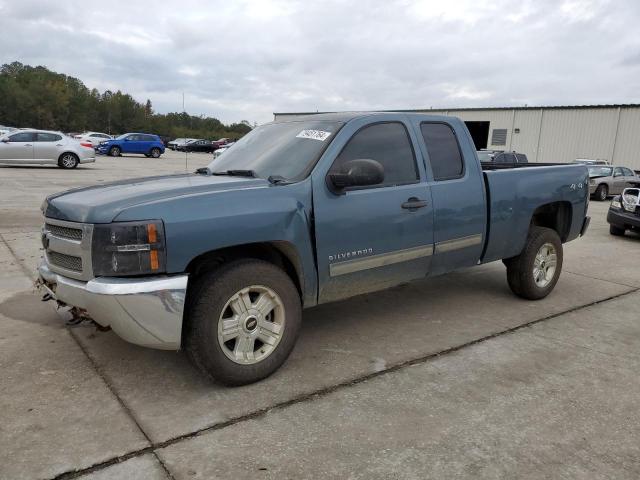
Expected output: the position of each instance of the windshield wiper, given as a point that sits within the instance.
(237, 173)
(278, 180)
(203, 171)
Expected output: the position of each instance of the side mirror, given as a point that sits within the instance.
(360, 172)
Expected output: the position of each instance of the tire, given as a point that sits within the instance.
(155, 152)
(531, 274)
(115, 151)
(68, 160)
(617, 231)
(602, 192)
(216, 300)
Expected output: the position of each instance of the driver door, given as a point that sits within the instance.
(374, 237)
(18, 148)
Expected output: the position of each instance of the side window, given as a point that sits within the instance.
(521, 158)
(48, 137)
(22, 137)
(444, 152)
(617, 172)
(387, 143)
(133, 138)
(628, 172)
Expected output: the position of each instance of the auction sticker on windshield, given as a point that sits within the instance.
(314, 134)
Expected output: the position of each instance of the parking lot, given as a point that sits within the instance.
(449, 377)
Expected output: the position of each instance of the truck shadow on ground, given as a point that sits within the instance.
(339, 343)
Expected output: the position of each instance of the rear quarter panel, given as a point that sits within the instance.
(515, 194)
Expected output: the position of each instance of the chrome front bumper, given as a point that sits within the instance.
(145, 311)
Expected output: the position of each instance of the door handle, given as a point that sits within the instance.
(414, 203)
(28, 145)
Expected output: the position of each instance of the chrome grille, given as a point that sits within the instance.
(68, 262)
(67, 248)
(64, 232)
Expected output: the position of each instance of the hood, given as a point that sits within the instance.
(598, 176)
(102, 203)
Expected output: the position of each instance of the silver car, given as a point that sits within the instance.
(605, 180)
(44, 147)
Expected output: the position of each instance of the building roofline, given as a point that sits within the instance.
(475, 109)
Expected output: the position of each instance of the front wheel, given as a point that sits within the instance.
(243, 321)
(68, 161)
(534, 273)
(617, 231)
(115, 151)
(602, 192)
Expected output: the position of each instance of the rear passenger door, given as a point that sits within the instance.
(46, 147)
(457, 188)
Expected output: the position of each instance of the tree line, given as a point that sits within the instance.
(37, 97)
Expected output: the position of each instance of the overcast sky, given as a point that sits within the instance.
(240, 60)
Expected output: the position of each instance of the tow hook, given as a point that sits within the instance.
(46, 297)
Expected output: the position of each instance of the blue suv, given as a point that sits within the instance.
(144, 143)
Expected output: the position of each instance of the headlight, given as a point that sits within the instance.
(615, 203)
(629, 201)
(128, 248)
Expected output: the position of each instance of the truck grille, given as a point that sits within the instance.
(67, 248)
(64, 232)
(68, 262)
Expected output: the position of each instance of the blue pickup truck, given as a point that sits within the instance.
(220, 262)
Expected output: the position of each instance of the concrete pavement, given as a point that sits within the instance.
(418, 381)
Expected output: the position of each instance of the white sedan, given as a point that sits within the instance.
(44, 147)
(94, 138)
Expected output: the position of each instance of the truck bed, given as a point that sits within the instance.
(506, 166)
(514, 191)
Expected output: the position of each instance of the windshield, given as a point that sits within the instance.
(599, 171)
(287, 150)
(123, 136)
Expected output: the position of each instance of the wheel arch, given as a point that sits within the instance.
(556, 216)
(280, 253)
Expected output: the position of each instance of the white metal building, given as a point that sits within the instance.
(553, 134)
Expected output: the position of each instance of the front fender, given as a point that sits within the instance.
(197, 224)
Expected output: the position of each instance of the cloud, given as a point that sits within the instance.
(245, 59)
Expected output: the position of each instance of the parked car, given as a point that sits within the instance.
(499, 156)
(178, 142)
(586, 161)
(606, 180)
(624, 211)
(4, 130)
(143, 143)
(206, 146)
(43, 147)
(297, 213)
(95, 138)
(219, 151)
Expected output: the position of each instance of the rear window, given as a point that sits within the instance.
(444, 151)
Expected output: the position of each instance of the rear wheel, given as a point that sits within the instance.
(243, 321)
(115, 151)
(155, 152)
(534, 273)
(602, 192)
(68, 160)
(617, 231)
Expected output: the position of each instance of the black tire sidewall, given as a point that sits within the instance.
(520, 269)
(615, 230)
(153, 151)
(113, 150)
(599, 191)
(211, 293)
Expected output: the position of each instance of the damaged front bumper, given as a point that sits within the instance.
(145, 311)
